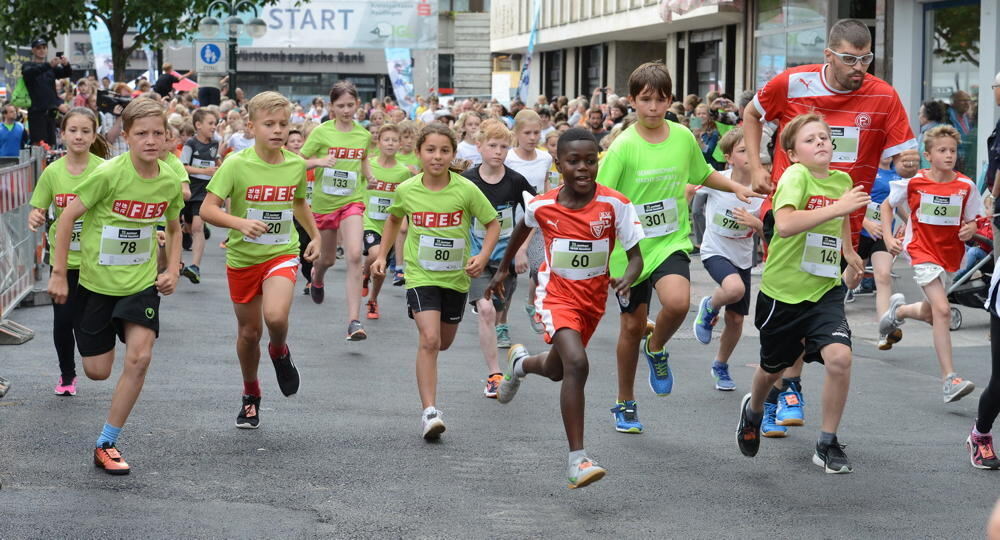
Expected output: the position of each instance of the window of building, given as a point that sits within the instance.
(553, 69)
(446, 73)
(789, 33)
(464, 6)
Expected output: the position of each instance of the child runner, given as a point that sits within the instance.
(727, 253)
(979, 443)
(467, 127)
(440, 205)
(389, 173)
(340, 146)
(525, 158)
(800, 306)
(871, 245)
(173, 164)
(652, 163)
(551, 143)
(294, 145)
(580, 223)
(55, 188)
(944, 205)
(406, 156)
(504, 188)
(119, 289)
(266, 186)
(201, 159)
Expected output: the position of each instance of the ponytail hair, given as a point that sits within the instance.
(99, 147)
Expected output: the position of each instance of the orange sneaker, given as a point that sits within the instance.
(372, 309)
(108, 458)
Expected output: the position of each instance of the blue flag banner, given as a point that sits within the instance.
(100, 41)
(400, 64)
(522, 84)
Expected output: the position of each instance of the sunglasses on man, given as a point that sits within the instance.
(850, 59)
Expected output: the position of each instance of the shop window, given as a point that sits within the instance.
(553, 73)
(789, 33)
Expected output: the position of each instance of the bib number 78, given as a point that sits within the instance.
(128, 247)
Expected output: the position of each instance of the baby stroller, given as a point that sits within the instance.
(969, 289)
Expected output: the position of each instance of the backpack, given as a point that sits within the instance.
(20, 98)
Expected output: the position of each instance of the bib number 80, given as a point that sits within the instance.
(442, 255)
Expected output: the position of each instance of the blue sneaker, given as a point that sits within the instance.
(769, 426)
(661, 379)
(705, 321)
(720, 372)
(790, 411)
(626, 415)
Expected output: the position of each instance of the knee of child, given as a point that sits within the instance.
(837, 359)
(882, 274)
(276, 319)
(576, 367)
(430, 342)
(353, 259)
(677, 305)
(96, 374)
(137, 362)
(486, 310)
(197, 225)
(734, 289)
(940, 310)
(250, 333)
(733, 318)
(633, 324)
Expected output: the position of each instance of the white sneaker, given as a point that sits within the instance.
(584, 472)
(888, 323)
(432, 424)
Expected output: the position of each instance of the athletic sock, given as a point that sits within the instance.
(753, 417)
(252, 388)
(793, 383)
(576, 455)
(109, 434)
(518, 368)
(826, 439)
(772, 396)
(276, 352)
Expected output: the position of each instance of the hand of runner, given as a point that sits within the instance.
(476, 265)
(252, 228)
(58, 287)
(520, 262)
(968, 229)
(760, 180)
(874, 229)
(166, 283)
(312, 250)
(209, 171)
(495, 288)
(161, 238)
(372, 182)
(378, 267)
(910, 161)
(36, 218)
(892, 245)
(744, 193)
(747, 219)
(855, 265)
(852, 200)
(621, 286)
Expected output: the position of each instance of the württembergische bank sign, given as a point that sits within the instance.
(351, 24)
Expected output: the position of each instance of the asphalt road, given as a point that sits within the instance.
(344, 457)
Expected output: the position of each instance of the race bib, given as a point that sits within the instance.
(845, 143)
(339, 182)
(125, 246)
(724, 224)
(309, 191)
(441, 254)
(506, 219)
(579, 259)
(821, 256)
(940, 209)
(203, 163)
(378, 207)
(74, 239)
(658, 218)
(874, 212)
(279, 226)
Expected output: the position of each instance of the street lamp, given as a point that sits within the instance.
(209, 26)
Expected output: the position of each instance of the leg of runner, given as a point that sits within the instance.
(249, 330)
(327, 258)
(488, 344)
(882, 267)
(674, 292)
(138, 354)
(376, 282)
(351, 229)
(979, 443)
(197, 241)
(630, 333)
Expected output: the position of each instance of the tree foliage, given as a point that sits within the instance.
(957, 35)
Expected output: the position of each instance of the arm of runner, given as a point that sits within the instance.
(623, 285)
(753, 132)
(967, 229)
(389, 233)
(517, 238)
(855, 266)
(521, 263)
(788, 221)
(166, 281)
(58, 286)
(186, 190)
(366, 170)
(327, 161)
(718, 181)
(748, 220)
(36, 218)
(891, 243)
(478, 262)
(303, 214)
(212, 213)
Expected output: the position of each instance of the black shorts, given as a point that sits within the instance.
(868, 245)
(768, 228)
(786, 330)
(100, 317)
(449, 302)
(479, 284)
(720, 268)
(371, 239)
(677, 263)
(191, 209)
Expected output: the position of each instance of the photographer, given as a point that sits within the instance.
(111, 107)
(40, 80)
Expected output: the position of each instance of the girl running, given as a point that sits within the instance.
(467, 127)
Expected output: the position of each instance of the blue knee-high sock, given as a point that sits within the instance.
(109, 434)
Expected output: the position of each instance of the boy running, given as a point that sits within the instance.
(871, 246)
(267, 187)
(580, 222)
(119, 291)
(504, 188)
(200, 157)
(800, 306)
(651, 164)
(944, 205)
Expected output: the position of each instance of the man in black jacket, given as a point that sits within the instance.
(40, 79)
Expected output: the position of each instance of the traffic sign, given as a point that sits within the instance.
(210, 57)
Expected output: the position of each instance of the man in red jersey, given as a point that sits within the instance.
(867, 122)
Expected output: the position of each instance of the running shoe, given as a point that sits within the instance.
(315, 291)
(503, 336)
(769, 426)
(192, 272)
(66, 389)
(399, 279)
(790, 412)
(305, 291)
(207, 230)
(981, 453)
(249, 415)
(364, 286)
(492, 384)
(186, 241)
(849, 296)
(661, 379)
(511, 382)
(705, 321)
(431, 424)
(888, 323)
(720, 372)
(955, 387)
(372, 309)
(886, 341)
(537, 325)
(287, 373)
(108, 457)
(832, 458)
(584, 472)
(626, 415)
(356, 332)
(747, 433)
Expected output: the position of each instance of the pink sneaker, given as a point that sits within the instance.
(66, 389)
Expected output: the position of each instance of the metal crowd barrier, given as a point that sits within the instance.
(20, 252)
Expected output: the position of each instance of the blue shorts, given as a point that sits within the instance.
(720, 268)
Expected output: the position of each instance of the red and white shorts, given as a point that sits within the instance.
(556, 315)
(331, 221)
(247, 283)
